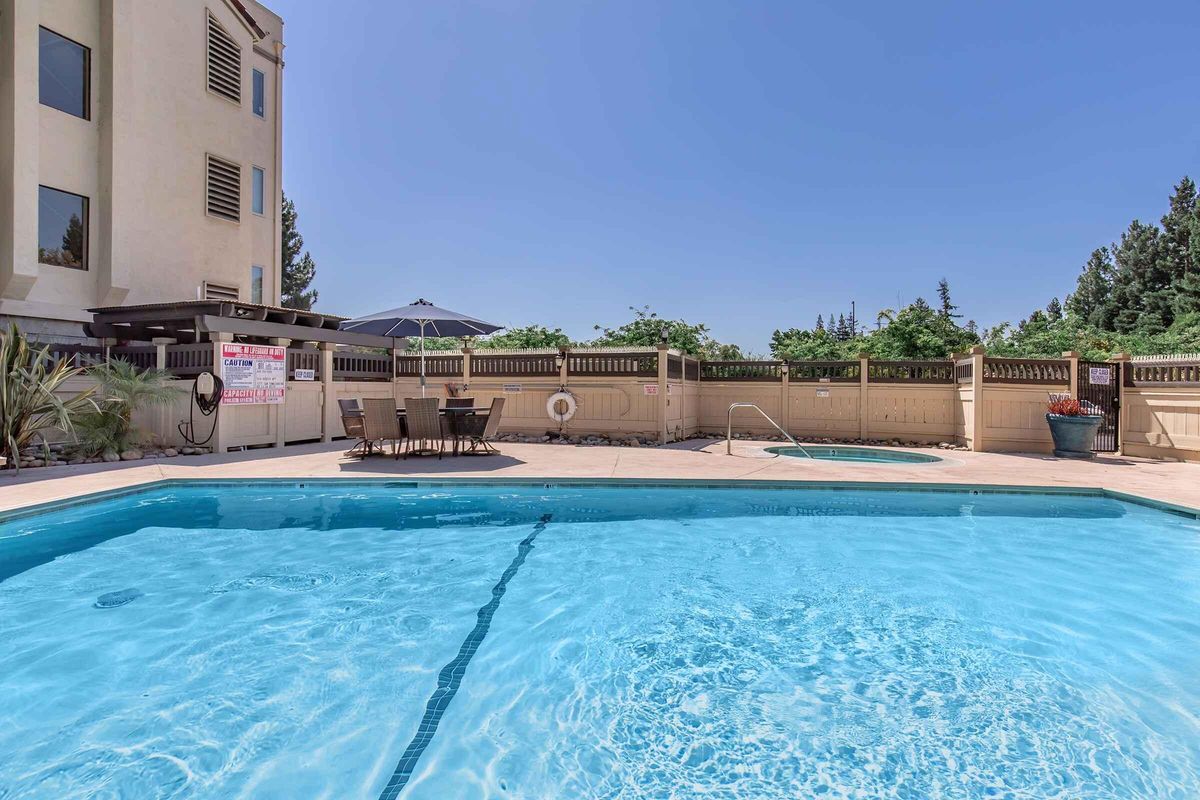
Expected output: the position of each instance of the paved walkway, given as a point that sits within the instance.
(695, 460)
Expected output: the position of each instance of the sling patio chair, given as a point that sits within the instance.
(380, 421)
(355, 427)
(481, 429)
(424, 427)
(451, 423)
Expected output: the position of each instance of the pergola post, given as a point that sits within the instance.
(331, 418)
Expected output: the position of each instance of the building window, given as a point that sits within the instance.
(224, 62)
(62, 228)
(63, 67)
(259, 84)
(256, 284)
(256, 190)
(224, 189)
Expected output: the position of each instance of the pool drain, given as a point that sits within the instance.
(117, 599)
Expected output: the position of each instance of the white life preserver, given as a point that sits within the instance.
(552, 407)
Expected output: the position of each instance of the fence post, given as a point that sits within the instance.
(564, 359)
(864, 425)
(1122, 360)
(1073, 358)
(160, 350)
(279, 409)
(978, 354)
(466, 354)
(331, 417)
(662, 393)
(220, 440)
(785, 397)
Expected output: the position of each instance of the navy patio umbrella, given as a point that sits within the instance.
(417, 319)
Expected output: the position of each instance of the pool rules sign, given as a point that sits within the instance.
(254, 374)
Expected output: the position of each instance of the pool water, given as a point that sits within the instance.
(381, 641)
(869, 455)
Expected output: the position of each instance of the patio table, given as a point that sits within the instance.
(452, 414)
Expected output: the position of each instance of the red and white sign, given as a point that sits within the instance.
(254, 374)
(649, 388)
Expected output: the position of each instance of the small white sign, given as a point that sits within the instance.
(1099, 376)
(512, 388)
(670, 389)
(822, 393)
(649, 388)
(822, 380)
(304, 375)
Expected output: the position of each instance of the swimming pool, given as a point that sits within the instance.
(391, 640)
(866, 455)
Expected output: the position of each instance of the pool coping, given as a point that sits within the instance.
(552, 482)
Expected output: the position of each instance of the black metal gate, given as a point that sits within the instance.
(1100, 385)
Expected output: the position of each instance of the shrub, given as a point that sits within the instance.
(125, 389)
(29, 405)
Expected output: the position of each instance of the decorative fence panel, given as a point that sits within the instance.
(516, 366)
(1027, 371)
(605, 364)
(911, 372)
(352, 366)
(964, 371)
(303, 359)
(189, 360)
(436, 366)
(77, 355)
(770, 371)
(823, 371)
(1142, 373)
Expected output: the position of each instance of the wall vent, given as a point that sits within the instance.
(223, 189)
(220, 291)
(224, 62)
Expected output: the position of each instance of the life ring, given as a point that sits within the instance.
(552, 407)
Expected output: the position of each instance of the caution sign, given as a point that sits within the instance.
(254, 374)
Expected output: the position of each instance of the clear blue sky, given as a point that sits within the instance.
(747, 165)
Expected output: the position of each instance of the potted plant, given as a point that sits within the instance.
(1073, 425)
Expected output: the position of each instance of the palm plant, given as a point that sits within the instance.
(29, 404)
(124, 389)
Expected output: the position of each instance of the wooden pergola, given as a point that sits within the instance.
(197, 321)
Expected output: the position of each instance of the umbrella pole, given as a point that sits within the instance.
(422, 359)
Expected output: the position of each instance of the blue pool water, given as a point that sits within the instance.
(869, 455)
(356, 641)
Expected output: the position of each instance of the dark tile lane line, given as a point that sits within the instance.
(451, 675)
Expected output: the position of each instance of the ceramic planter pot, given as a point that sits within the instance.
(1073, 436)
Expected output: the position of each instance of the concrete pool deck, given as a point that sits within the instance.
(697, 460)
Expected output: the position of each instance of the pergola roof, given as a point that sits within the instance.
(192, 320)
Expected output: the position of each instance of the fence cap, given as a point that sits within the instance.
(1121, 357)
(1070, 354)
(863, 355)
(977, 350)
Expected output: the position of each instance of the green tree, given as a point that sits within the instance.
(1054, 310)
(947, 308)
(919, 332)
(818, 344)
(298, 270)
(1091, 300)
(647, 329)
(530, 336)
(72, 242)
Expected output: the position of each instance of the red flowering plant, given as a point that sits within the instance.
(1067, 406)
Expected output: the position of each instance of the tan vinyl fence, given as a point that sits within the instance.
(986, 404)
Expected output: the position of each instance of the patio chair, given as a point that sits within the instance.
(354, 426)
(380, 422)
(481, 429)
(424, 426)
(451, 422)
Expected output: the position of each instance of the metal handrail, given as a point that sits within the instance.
(729, 428)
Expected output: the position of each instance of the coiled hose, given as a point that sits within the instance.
(208, 406)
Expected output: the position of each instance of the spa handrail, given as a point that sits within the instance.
(729, 428)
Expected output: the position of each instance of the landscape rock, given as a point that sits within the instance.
(170, 452)
(131, 454)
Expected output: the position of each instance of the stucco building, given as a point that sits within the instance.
(140, 156)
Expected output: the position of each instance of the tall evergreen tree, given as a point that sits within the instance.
(1054, 311)
(820, 323)
(947, 307)
(298, 271)
(1142, 286)
(1091, 300)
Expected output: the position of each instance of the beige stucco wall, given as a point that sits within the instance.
(1013, 418)
(140, 158)
(1162, 422)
